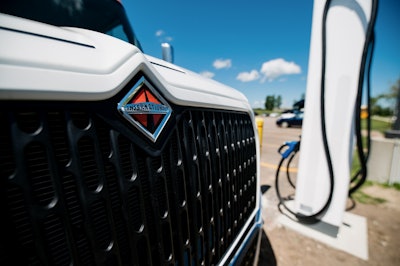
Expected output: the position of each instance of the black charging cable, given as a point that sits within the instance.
(292, 148)
(361, 176)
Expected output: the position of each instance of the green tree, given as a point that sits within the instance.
(392, 97)
(270, 102)
(395, 94)
(278, 102)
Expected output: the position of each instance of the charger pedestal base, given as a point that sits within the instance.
(351, 237)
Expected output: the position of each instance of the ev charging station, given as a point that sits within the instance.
(345, 24)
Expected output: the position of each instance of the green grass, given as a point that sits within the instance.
(260, 111)
(395, 186)
(364, 198)
(376, 125)
(361, 197)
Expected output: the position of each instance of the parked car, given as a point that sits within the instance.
(290, 119)
(273, 115)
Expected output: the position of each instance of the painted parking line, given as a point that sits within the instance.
(274, 166)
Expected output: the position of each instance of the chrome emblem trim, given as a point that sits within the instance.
(146, 109)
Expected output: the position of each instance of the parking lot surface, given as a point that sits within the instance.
(283, 246)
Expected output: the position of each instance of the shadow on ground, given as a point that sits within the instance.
(267, 255)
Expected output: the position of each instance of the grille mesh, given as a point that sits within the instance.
(74, 190)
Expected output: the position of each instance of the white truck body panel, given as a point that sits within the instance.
(92, 66)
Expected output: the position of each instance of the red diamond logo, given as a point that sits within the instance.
(145, 109)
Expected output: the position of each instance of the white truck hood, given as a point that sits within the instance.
(187, 86)
(44, 62)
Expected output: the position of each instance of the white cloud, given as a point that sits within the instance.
(207, 74)
(160, 33)
(278, 67)
(222, 63)
(248, 76)
(163, 37)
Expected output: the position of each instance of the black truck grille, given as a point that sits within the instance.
(77, 191)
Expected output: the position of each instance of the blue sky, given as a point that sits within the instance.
(243, 43)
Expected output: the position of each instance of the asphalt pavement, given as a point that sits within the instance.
(272, 139)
